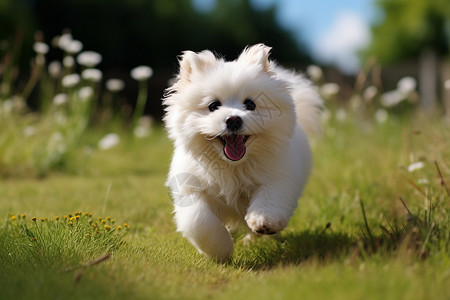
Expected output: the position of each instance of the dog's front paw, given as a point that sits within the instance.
(264, 224)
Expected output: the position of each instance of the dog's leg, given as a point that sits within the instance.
(270, 210)
(204, 230)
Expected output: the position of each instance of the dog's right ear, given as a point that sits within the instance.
(191, 63)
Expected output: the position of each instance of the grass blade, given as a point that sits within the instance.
(369, 232)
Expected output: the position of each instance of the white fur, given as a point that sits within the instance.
(212, 193)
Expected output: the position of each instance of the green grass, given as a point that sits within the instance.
(332, 248)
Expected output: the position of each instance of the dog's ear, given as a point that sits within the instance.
(256, 55)
(191, 63)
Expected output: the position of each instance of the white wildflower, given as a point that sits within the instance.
(141, 73)
(392, 98)
(56, 143)
(415, 166)
(54, 68)
(341, 114)
(40, 48)
(146, 121)
(60, 99)
(89, 59)
(406, 85)
(447, 84)
(18, 102)
(29, 131)
(144, 127)
(64, 41)
(70, 80)
(73, 47)
(85, 93)
(370, 92)
(381, 115)
(314, 72)
(60, 118)
(68, 61)
(114, 85)
(423, 181)
(329, 90)
(141, 131)
(108, 141)
(91, 74)
(8, 105)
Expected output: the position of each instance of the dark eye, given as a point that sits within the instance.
(214, 105)
(249, 104)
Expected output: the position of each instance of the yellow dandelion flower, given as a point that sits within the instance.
(34, 219)
(77, 213)
(94, 225)
(70, 223)
(57, 218)
(42, 219)
(86, 213)
(103, 221)
(23, 216)
(108, 218)
(12, 218)
(118, 227)
(125, 225)
(113, 221)
(77, 217)
(99, 218)
(107, 227)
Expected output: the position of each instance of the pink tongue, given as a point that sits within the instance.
(234, 146)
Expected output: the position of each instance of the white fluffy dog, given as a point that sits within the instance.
(241, 153)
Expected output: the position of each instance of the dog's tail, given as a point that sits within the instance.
(308, 103)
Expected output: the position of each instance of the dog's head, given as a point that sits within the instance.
(231, 110)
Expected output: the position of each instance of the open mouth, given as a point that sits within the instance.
(233, 146)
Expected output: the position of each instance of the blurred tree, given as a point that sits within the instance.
(409, 26)
(414, 29)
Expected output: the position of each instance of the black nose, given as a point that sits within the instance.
(233, 123)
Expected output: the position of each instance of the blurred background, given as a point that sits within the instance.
(396, 37)
(372, 58)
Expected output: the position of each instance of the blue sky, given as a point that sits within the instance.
(333, 30)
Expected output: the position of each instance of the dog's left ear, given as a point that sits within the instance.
(256, 55)
(191, 63)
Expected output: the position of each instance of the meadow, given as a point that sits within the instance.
(85, 214)
(351, 237)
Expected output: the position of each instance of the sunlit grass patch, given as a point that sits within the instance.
(324, 253)
(57, 243)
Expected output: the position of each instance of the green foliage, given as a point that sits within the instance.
(407, 27)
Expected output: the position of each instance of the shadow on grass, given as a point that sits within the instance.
(291, 248)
